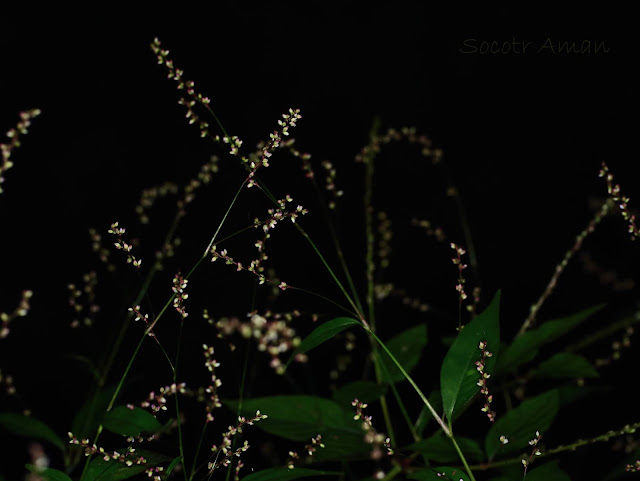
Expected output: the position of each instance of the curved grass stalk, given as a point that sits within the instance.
(446, 429)
(605, 437)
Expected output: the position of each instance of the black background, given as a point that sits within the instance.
(523, 136)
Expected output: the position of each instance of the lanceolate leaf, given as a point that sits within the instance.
(86, 421)
(323, 333)
(439, 474)
(48, 474)
(525, 347)
(300, 418)
(101, 470)
(520, 424)
(130, 422)
(285, 474)
(439, 448)
(459, 376)
(548, 472)
(29, 427)
(565, 364)
(407, 347)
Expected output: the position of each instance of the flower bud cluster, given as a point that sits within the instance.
(310, 449)
(192, 97)
(89, 308)
(378, 440)
(271, 331)
(212, 390)
(179, 286)
(14, 141)
(129, 458)
(458, 262)
(122, 245)
(275, 138)
(225, 448)
(534, 452)
(393, 135)
(21, 311)
(255, 266)
(488, 398)
(622, 201)
(157, 402)
(100, 249)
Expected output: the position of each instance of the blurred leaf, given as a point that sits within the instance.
(130, 422)
(300, 418)
(459, 376)
(565, 364)
(29, 427)
(285, 474)
(440, 449)
(520, 424)
(435, 399)
(101, 470)
(548, 472)
(323, 333)
(365, 391)
(441, 473)
(572, 393)
(173, 464)
(48, 474)
(407, 348)
(88, 418)
(525, 347)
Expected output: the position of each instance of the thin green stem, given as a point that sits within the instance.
(461, 456)
(383, 399)
(426, 402)
(224, 218)
(175, 380)
(333, 275)
(338, 247)
(350, 312)
(370, 237)
(577, 245)
(605, 437)
(604, 333)
(396, 395)
(240, 398)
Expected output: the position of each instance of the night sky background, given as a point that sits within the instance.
(523, 136)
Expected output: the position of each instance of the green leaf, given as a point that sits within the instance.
(48, 474)
(570, 394)
(442, 473)
(130, 422)
(407, 348)
(300, 418)
(548, 472)
(459, 376)
(101, 470)
(173, 464)
(88, 418)
(440, 449)
(29, 427)
(435, 399)
(365, 391)
(520, 424)
(323, 333)
(524, 348)
(565, 364)
(285, 474)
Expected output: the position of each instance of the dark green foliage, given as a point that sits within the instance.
(459, 376)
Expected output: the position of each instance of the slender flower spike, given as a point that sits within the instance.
(14, 141)
(480, 367)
